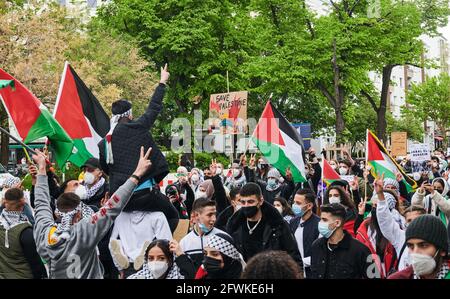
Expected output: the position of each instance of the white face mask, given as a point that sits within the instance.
(158, 268)
(218, 170)
(335, 200)
(81, 192)
(280, 209)
(236, 172)
(195, 178)
(343, 171)
(423, 264)
(200, 194)
(89, 178)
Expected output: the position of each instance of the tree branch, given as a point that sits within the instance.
(327, 94)
(370, 99)
(350, 12)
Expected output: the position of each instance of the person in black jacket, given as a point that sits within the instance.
(337, 255)
(305, 225)
(258, 226)
(127, 136)
(226, 214)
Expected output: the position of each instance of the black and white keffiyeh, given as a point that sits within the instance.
(224, 247)
(113, 123)
(62, 231)
(146, 273)
(90, 192)
(10, 219)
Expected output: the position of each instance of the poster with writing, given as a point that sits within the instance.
(398, 144)
(419, 152)
(228, 112)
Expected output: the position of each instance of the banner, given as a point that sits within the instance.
(419, 152)
(228, 112)
(399, 144)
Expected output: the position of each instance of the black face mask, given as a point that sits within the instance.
(211, 265)
(249, 212)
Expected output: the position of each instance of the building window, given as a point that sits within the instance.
(401, 82)
(92, 3)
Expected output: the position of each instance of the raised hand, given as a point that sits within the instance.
(144, 163)
(354, 184)
(362, 207)
(252, 160)
(41, 160)
(243, 160)
(288, 174)
(175, 247)
(104, 199)
(213, 167)
(378, 184)
(164, 75)
(399, 177)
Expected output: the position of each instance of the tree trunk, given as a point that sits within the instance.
(381, 112)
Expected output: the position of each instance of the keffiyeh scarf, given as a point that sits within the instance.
(62, 231)
(225, 247)
(145, 273)
(114, 121)
(93, 190)
(10, 219)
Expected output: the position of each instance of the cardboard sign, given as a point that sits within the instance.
(228, 112)
(348, 178)
(181, 230)
(419, 152)
(399, 144)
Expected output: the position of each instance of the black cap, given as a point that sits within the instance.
(428, 228)
(93, 163)
(120, 106)
(340, 183)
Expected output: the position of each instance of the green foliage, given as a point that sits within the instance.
(431, 100)
(203, 160)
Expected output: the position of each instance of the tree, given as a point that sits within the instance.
(397, 30)
(35, 42)
(431, 101)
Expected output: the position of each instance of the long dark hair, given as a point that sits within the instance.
(164, 246)
(286, 208)
(345, 198)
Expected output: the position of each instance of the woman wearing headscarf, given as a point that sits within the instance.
(160, 262)
(213, 189)
(222, 259)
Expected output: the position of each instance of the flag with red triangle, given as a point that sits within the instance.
(381, 162)
(32, 119)
(329, 175)
(81, 115)
(280, 143)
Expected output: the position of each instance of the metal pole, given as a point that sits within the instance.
(18, 141)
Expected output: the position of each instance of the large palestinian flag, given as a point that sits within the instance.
(329, 175)
(32, 119)
(81, 115)
(381, 162)
(280, 143)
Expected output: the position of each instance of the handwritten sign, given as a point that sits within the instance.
(399, 144)
(228, 112)
(419, 152)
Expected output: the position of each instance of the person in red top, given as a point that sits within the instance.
(426, 239)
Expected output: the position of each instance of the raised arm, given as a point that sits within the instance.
(92, 230)
(155, 106)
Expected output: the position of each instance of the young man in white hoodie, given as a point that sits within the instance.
(391, 229)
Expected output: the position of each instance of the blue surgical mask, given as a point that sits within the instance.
(204, 228)
(297, 209)
(272, 183)
(324, 230)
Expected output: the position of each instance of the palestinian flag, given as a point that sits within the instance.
(381, 162)
(329, 175)
(33, 120)
(81, 115)
(6, 83)
(280, 143)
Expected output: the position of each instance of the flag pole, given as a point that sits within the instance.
(21, 143)
(367, 153)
